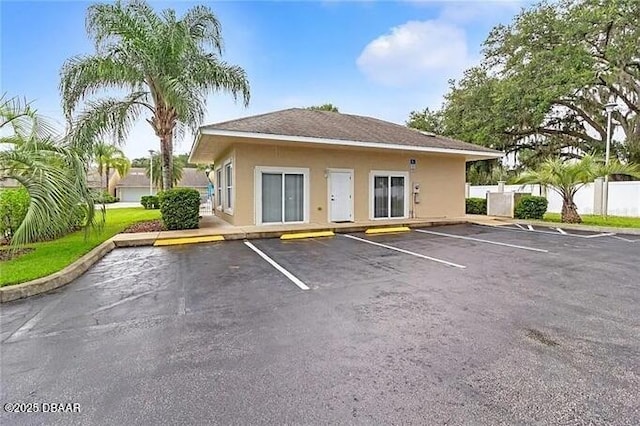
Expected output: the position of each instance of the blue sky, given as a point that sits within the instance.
(381, 59)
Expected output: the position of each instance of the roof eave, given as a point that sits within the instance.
(470, 155)
(194, 146)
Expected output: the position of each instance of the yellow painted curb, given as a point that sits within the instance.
(387, 230)
(307, 235)
(188, 240)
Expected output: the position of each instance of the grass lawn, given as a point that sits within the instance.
(596, 220)
(52, 256)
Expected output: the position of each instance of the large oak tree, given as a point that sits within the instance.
(544, 80)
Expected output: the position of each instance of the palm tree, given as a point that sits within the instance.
(107, 157)
(165, 65)
(158, 176)
(52, 173)
(567, 177)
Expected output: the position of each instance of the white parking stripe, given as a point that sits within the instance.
(33, 321)
(604, 234)
(560, 230)
(461, 237)
(536, 231)
(121, 301)
(422, 256)
(519, 226)
(530, 227)
(273, 263)
(625, 239)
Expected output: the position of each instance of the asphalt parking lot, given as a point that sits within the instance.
(455, 325)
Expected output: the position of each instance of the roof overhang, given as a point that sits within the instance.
(470, 155)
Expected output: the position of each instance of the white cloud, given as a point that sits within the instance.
(433, 50)
(416, 51)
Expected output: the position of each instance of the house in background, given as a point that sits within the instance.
(306, 166)
(135, 184)
(95, 181)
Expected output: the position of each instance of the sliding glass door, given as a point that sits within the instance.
(283, 197)
(388, 196)
(271, 197)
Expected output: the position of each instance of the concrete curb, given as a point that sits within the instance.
(57, 279)
(149, 238)
(80, 266)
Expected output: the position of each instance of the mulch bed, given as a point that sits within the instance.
(146, 226)
(7, 254)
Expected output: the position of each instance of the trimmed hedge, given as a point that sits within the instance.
(531, 207)
(180, 208)
(476, 206)
(150, 202)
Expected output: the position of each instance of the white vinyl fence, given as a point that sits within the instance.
(624, 197)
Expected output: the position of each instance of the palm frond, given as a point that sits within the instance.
(203, 27)
(82, 76)
(19, 120)
(106, 118)
(54, 176)
(208, 73)
(119, 20)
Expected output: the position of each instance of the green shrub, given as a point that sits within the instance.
(13, 208)
(105, 198)
(531, 207)
(476, 206)
(180, 208)
(78, 216)
(150, 202)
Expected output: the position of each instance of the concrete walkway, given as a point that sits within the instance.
(211, 225)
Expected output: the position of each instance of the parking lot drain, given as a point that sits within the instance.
(387, 230)
(188, 240)
(300, 235)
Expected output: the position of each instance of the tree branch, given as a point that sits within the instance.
(596, 126)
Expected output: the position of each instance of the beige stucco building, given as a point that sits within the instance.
(305, 166)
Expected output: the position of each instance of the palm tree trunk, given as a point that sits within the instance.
(163, 122)
(570, 211)
(106, 179)
(167, 160)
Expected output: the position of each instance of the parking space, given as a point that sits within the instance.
(457, 324)
(569, 232)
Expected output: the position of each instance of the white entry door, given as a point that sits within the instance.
(341, 196)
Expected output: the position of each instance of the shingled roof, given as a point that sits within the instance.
(338, 126)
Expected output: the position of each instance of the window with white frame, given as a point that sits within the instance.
(228, 182)
(219, 187)
(388, 194)
(282, 195)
